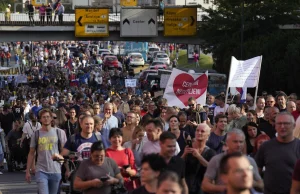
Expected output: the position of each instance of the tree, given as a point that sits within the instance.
(222, 30)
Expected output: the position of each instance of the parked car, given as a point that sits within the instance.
(110, 62)
(104, 54)
(100, 51)
(158, 65)
(162, 57)
(136, 59)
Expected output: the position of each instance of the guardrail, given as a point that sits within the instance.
(17, 19)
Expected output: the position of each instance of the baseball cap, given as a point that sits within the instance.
(9, 5)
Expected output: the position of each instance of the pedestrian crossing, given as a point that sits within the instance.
(18, 187)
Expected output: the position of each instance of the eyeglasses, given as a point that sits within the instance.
(283, 123)
(241, 170)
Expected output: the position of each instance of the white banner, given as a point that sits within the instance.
(182, 85)
(130, 83)
(244, 73)
(164, 80)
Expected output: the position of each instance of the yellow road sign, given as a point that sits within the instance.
(91, 22)
(39, 3)
(180, 21)
(128, 3)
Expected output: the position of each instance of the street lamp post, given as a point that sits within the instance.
(242, 28)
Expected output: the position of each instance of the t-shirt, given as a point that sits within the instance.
(219, 110)
(214, 142)
(122, 158)
(194, 176)
(6, 121)
(296, 173)
(268, 129)
(279, 159)
(112, 122)
(141, 190)
(177, 165)
(29, 128)
(81, 145)
(212, 171)
(88, 171)
(47, 146)
(18, 111)
(151, 147)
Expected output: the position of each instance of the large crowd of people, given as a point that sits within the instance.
(129, 140)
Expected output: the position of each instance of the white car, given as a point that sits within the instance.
(136, 59)
(103, 51)
(162, 57)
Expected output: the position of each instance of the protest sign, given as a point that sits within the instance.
(182, 85)
(130, 83)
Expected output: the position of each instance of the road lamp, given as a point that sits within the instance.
(242, 27)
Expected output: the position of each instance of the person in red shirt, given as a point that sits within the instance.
(123, 157)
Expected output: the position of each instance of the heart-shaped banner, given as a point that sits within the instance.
(185, 86)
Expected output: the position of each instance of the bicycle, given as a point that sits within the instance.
(67, 185)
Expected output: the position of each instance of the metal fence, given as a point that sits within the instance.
(68, 19)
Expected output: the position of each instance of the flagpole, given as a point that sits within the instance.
(227, 89)
(256, 90)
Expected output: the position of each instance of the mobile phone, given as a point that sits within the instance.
(104, 178)
(189, 143)
(126, 166)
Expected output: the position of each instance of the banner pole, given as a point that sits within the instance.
(256, 90)
(227, 89)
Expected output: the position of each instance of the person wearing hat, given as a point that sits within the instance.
(7, 13)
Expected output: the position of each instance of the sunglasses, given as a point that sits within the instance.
(191, 105)
(54, 117)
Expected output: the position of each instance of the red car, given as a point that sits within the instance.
(110, 62)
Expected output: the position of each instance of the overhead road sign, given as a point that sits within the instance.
(38, 3)
(128, 3)
(91, 22)
(136, 22)
(180, 21)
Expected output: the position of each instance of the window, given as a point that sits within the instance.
(206, 1)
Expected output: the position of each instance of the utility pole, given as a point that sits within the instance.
(242, 28)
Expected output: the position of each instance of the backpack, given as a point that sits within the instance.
(73, 139)
(37, 135)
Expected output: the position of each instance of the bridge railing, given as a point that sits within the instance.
(68, 19)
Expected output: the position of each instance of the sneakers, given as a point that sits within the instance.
(1, 172)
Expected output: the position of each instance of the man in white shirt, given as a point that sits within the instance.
(153, 130)
(221, 107)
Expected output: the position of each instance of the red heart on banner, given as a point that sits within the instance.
(185, 86)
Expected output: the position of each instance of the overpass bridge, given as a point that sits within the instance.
(19, 29)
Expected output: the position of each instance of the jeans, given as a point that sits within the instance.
(48, 183)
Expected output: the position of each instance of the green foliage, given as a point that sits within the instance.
(221, 30)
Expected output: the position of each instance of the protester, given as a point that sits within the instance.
(278, 173)
(98, 173)
(237, 173)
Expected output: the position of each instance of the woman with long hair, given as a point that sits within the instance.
(61, 118)
(258, 142)
(136, 144)
(251, 132)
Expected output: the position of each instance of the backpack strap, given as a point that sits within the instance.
(58, 140)
(73, 139)
(37, 136)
